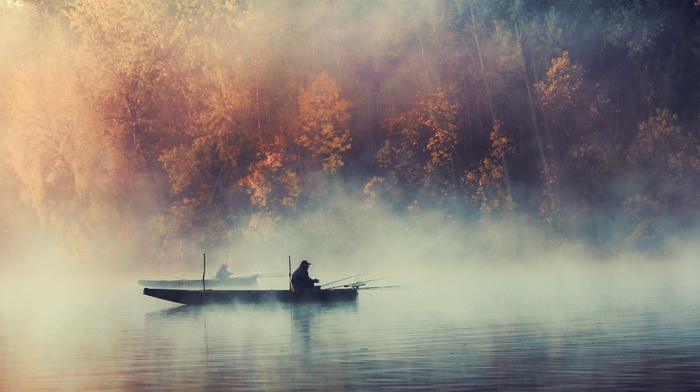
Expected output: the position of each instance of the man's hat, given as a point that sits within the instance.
(304, 262)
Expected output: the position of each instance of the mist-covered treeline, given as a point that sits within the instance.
(150, 122)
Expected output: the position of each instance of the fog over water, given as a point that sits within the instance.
(491, 310)
(556, 320)
(594, 288)
(419, 253)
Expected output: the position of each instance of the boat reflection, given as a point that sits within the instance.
(305, 319)
(216, 332)
(297, 310)
(302, 319)
(177, 311)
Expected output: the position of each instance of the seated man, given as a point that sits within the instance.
(300, 278)
(223, 273)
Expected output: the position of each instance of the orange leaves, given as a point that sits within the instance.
(270, 184)
(179, 170)
(441, 119)
(488, 178)
(323, 119)
(662, 146)
(420, 149)
(563, 82)
(668, 161)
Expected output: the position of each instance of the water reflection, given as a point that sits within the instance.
(177, 311)
(232, 325)
(303, 318)
(529, 337)
(379, 343)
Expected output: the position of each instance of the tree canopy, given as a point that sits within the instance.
(190, 118)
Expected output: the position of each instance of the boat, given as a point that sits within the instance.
(203, 297)
(249, 280)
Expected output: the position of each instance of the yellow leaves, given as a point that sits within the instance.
(376, 186)
(58, 148)
(269, 183)
(421, 143)
(488, 178)
(562, 84)
(324, 120)
(180, 167)
(663, 146)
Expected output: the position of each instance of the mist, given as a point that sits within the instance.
(517, 182)
(383, 138)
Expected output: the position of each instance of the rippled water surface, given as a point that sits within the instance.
(487, 330)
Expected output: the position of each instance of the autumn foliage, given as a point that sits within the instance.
(149, 122)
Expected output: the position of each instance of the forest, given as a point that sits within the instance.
(152, 122)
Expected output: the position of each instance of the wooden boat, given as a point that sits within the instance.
(249, 280)
(201, 297)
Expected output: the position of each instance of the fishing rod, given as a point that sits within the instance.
(354, 284)
(384, 287)
(272, 275)
(339, 280)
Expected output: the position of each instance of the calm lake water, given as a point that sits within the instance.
(509, 329)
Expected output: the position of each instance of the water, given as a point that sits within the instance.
(492, 329)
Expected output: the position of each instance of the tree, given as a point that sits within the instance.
(558, 94)
(488, 180)
(323, 123)
(419, 153)
(664, 175)
(61, 154)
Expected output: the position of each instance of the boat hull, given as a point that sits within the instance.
(197, 283)
(203, 297)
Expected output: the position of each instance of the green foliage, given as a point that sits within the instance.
(629, 24)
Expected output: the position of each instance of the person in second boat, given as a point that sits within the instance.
(222, 273)
(300, 278)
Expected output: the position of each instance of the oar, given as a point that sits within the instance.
(340, 280)
(352, 284)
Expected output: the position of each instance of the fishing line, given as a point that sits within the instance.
(340, 280)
